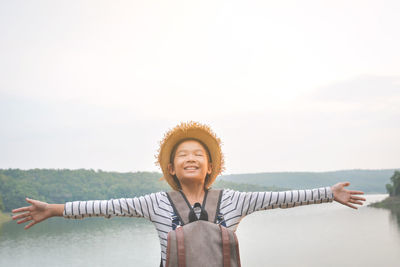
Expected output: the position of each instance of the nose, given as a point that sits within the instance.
(190, 157)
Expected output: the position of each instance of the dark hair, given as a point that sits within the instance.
(172, 156)
(173, 152)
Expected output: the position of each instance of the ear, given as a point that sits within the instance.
(171, 169)
(209, 170)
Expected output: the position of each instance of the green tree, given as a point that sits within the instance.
(394, 188)
(1, 204)
(389, 189)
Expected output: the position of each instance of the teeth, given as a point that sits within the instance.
(191, 168)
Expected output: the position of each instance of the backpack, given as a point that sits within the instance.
(200, 241)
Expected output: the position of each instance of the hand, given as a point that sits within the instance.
(346, 197)
(39, 211)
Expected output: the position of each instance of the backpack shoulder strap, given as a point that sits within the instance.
(180, 206)
(211, 206)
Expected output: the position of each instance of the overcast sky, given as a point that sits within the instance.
(287, 85)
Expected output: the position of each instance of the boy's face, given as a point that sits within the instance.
(190, 163)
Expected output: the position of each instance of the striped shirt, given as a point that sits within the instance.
(233, 207)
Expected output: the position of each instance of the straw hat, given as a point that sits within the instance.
(190, 130)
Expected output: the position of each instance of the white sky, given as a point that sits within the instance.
(287, 85)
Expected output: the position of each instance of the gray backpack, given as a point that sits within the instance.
(200, 241)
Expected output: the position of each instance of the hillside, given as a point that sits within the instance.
(59, 186)
(369, 181)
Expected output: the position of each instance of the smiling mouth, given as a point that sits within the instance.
(191, 168)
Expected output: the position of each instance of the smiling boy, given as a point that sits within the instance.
(191, 158)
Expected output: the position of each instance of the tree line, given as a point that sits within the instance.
(394, 188)
(62, 185)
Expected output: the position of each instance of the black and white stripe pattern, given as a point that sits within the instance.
(156, 207)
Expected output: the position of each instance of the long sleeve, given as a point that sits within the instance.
(235, 205)
(142, 206)
(154, 207)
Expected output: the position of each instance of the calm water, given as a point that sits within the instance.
(315, 235)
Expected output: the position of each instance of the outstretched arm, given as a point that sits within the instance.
(150, 206)
(235, 205)
(345, 196)
(37, 212)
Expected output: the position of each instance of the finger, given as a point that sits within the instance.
(356, 202)
(22, 215)
(357, 192)
(32, 201)
(358, 198)
(346, 183)
(351, 206)
(25, 220)
(21, 209)
(30, 225)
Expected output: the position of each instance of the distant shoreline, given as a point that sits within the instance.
(4, 217)
(392, 203)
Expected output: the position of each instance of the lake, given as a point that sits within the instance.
(327, 234)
